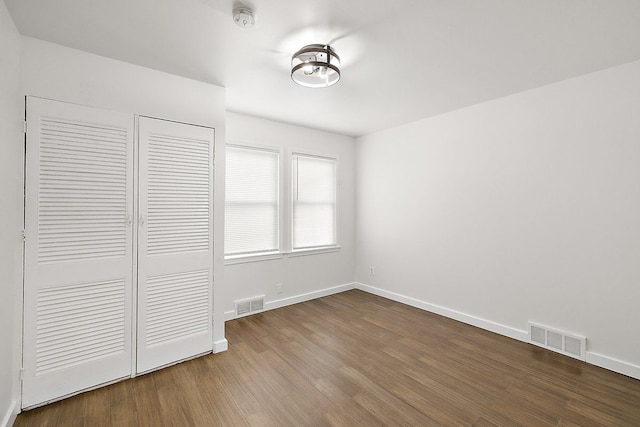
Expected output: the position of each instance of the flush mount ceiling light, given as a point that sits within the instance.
(315, 65)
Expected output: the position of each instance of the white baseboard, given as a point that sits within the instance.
(220, 346)
(446, 312)
(614, 365)
(606, 362)
(271, 305)
(11, 414)
(309, 296)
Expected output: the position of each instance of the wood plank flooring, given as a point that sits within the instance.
(355, 359)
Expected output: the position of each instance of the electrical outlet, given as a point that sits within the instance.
(372, 271)
(279, 288)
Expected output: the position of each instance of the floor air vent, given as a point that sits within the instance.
(248, 306)
(560, 342)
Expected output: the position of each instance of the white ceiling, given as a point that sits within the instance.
(402, 60)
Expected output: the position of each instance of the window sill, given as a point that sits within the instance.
(314, 251)
(241, 259)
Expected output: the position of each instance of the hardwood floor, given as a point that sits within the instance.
(355, 359)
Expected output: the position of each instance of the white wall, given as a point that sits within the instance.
(526, 208)
(308, 276)
(52, 71)
(10, 217)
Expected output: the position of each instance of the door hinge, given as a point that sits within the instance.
(24, 235)
(24, 126)
(22, 374)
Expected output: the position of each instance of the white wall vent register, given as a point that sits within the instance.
(248, 306)
(561, 342)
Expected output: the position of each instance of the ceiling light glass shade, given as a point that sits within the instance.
(315, 65)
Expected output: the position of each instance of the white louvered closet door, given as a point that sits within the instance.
(175, 242)
(78, 249)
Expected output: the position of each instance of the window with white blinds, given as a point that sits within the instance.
(313, 202)
(252, 208)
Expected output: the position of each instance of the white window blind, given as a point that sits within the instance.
(313, 202)
(251, 201)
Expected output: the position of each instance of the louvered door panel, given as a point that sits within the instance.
(175, 239)
(177, 306)
(78, 249)
(82, 203)
(79, 323)
(178, 195)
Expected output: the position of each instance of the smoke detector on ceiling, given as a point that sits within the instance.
(244, 17)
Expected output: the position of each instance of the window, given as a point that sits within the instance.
(253, 212)
(313, 198)
(252, 208)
